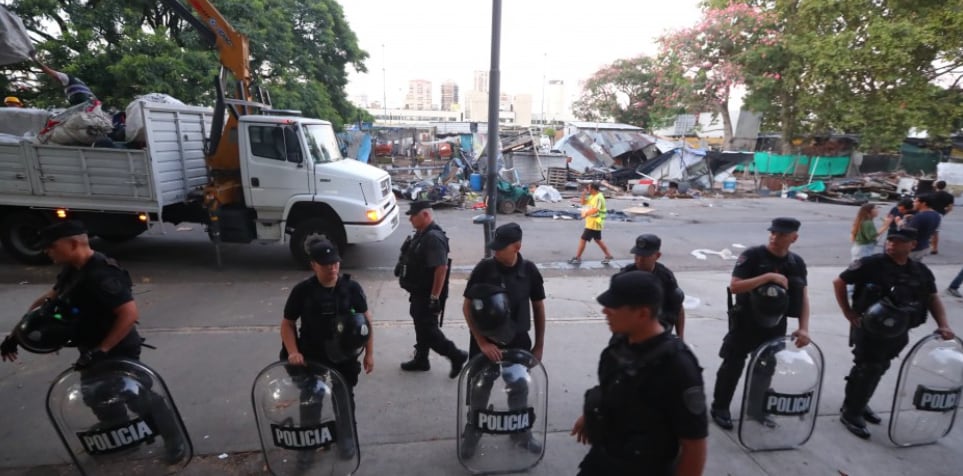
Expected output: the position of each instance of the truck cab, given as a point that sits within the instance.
(298, 187)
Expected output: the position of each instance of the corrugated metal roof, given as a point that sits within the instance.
(603, 126)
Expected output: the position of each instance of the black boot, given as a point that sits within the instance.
(458, 359)
(417, 364)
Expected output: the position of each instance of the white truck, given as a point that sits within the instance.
(295, 185)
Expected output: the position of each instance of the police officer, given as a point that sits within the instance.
(324, 304)
(763, 275)
(647, 254)
(96, 292)
(318, 302)
(891, 295)
(648, 413)
(523, 283)
(423, 271)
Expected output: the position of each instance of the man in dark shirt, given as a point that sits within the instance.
(648, 413)
(520, 278)
(97, 292)
(423, 273)
(942, 204)
(756, 267)
(926, 221)
(647, 254)
(908, 285)
(902, 210)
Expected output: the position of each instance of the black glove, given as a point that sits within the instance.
(88, 357)
(9, 346)
(434, 305)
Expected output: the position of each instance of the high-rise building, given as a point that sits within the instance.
(481, 81)
(555, 109)
(449, 95)
(419, 95)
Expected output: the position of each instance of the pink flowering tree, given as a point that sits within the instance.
(699, 67)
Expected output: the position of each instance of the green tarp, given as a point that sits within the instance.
(768, 163)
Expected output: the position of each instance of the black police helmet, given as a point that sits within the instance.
(769, 304)
(491, 312)
(45, 329)
(885, 319)
(348, 337)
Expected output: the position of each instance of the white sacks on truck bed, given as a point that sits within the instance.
(135, 114)
(82, 124)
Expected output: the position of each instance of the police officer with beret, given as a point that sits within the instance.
(423, 271)
(330, 307)
(770, 284)
(647, 254)
(891, 295)
(648, 413)
(506, 271)
(93, 293)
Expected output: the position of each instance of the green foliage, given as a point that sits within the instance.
(549, 132)
(300, 50)
(625, 92)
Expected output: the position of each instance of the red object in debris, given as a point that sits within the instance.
(382, 149)
(478, 206)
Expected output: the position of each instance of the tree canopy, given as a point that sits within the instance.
(868, 67)
(300, 51)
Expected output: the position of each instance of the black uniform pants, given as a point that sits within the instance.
(313, 394)
(736, 346)
(871, 359)
(110, 397)
(481, 391)
(428, 336)
(599, 463)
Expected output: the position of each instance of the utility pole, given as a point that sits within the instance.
(544, 68)
(488, 219)
(384, 82)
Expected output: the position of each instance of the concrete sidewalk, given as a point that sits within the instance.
(210, 352)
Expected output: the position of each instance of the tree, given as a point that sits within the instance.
(300, 50)
(700, 66)
(625, 92)
(872, 68)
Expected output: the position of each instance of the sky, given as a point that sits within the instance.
(541, 40)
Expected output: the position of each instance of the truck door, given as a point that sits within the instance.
(276, 168)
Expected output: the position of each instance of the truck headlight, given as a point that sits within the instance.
(373, 215)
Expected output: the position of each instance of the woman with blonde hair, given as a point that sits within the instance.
(864, 232)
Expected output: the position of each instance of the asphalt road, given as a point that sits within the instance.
(183, 254)
(215, 329)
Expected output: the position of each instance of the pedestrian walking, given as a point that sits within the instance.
(91, 306)
(423, 272)
(648, 413)
(593, 211)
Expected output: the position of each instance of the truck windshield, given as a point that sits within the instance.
(322, 143)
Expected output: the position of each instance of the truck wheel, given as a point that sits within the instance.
(18, 233)
(522, 205)
(506, 206)
(310, 230)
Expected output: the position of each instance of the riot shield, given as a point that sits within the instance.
(781, 397)
(117, 417)
(927, 392)
(502, 413)
(305, 420)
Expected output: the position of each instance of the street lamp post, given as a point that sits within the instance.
(488, 219)
(384, 82)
